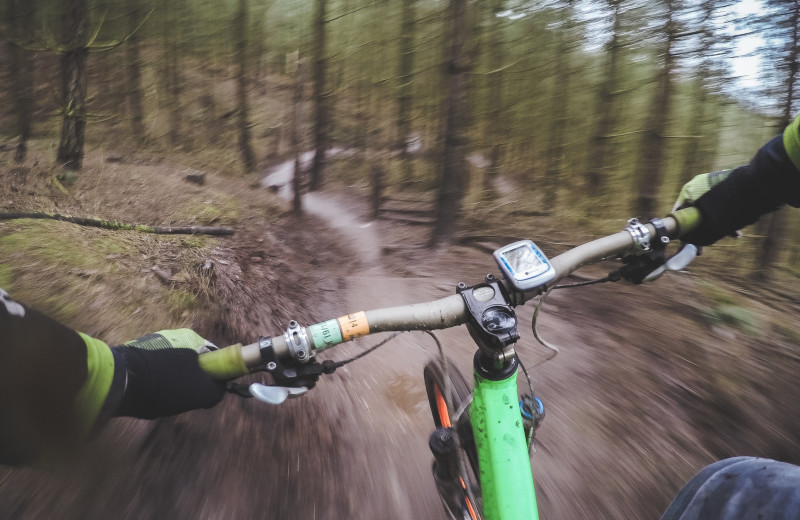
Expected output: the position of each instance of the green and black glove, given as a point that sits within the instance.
(709, 230)
(697, 187)
(162, 375)
(729, 201)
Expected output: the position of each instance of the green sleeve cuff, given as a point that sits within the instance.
(90, 399)
(791, 141)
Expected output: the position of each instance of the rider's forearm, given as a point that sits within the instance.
(53, 384)
(769, 181)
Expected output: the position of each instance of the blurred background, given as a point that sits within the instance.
(594, 108)
(452, 126)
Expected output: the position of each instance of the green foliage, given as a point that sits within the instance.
(362, 88)
(222, 210)
(725, 308)
(194, 242)
(6, 277)
(95, 279)
(180, 301)
(735, 316)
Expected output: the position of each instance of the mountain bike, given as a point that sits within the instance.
(482, 438)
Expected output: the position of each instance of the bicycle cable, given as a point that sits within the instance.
(535, 329)
(540, 304)
(338, 364)
(583, 284)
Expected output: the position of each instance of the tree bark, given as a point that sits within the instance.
(122, 226)
(21, 73)
(134, 72)
(171, 77)
(377, 188)
(494, 92)
(240, 36)
(600, 146)
(698, 155)
(405, 80)
(73, 83)
(555, 149)
(297, 133)
(653, 148)
(453, 166)
(319, 96)
(776, 224)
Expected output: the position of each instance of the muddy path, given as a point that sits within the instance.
(355, 447)
(641, 396)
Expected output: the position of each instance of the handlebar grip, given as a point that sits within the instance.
(687, 219)
(224, 364)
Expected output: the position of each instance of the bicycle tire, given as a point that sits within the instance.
(435, 387)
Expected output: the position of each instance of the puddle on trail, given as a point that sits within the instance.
(408, 393)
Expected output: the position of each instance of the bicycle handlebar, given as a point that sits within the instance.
(237, 360)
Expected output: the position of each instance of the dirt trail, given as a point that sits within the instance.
(643, 393)
(381, 406)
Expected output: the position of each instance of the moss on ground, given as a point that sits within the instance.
(96, 280)
(6, 277)
(222, 209)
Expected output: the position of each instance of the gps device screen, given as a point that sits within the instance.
(524, 261)
(524, 265)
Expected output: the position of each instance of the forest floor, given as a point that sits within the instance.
(652, 382)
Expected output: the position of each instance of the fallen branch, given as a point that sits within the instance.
(120, 226)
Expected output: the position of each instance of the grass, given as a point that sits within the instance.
(6, 277)
(222, 210)
(726, 308)
(96, 280)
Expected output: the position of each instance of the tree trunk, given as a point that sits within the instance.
(776, 225)
(377, 188)
(319, 96)
(134, 72)
(405, 80)
(453, 166)
(698, 155)
(494, 92)
(653, 147)
(21, 74)
(170, 72)
(773, 227)
(297, 133)
(555, 150)
(240, 37)
(73, 83)
(600, 147)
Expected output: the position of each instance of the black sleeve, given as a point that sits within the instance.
(42, 368)
(765, 184)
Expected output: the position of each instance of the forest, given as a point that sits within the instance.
(598, 109)
(419, 135)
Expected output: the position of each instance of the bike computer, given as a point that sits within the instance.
(524, 265)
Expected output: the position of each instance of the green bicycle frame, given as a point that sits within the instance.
(505, 472)
(505, 469)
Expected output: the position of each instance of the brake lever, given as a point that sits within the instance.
(676, 262)
(275, 394)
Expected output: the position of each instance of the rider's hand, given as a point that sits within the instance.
(164, 377)
(697, 187)
(709, 230)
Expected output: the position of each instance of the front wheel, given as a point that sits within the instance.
(455, 475)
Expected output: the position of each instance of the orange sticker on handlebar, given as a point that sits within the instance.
(354, 325)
